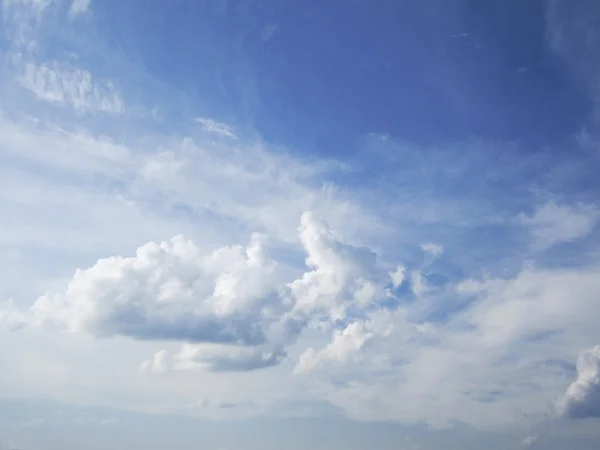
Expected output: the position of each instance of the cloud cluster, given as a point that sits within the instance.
(231, 306)
(582, 399)
(236, 309)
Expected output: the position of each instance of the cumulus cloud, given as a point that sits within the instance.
(235, 308)
(501, 352)
(341, 274)
(231, 305)
(346, 344)
(552, 224)
(169, 291)
(582, 399)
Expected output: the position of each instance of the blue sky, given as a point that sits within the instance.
(244, 224)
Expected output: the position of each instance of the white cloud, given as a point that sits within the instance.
(227, 358)
(582, 399)
(498, 356)
(418, 278)
(21, 20)
(341, 274)
(79, 7)
(222, 129)
(71, 197)
(345, 345)
(66, 85)
(232, 300)
(529, 441)
(398, 276)
(552, 224)
(431, 372)
(10, 316)
(169, 291)
(157, 364)
(432, 251)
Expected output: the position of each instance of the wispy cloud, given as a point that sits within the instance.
(552, 224)
(65, 85)
(218, 128)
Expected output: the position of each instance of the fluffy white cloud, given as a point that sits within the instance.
(552, 224)
(582, 399)
(398, 276)
(169, 291)
(345, 345)
(529, 441)
(233, 301)
(341, 274)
